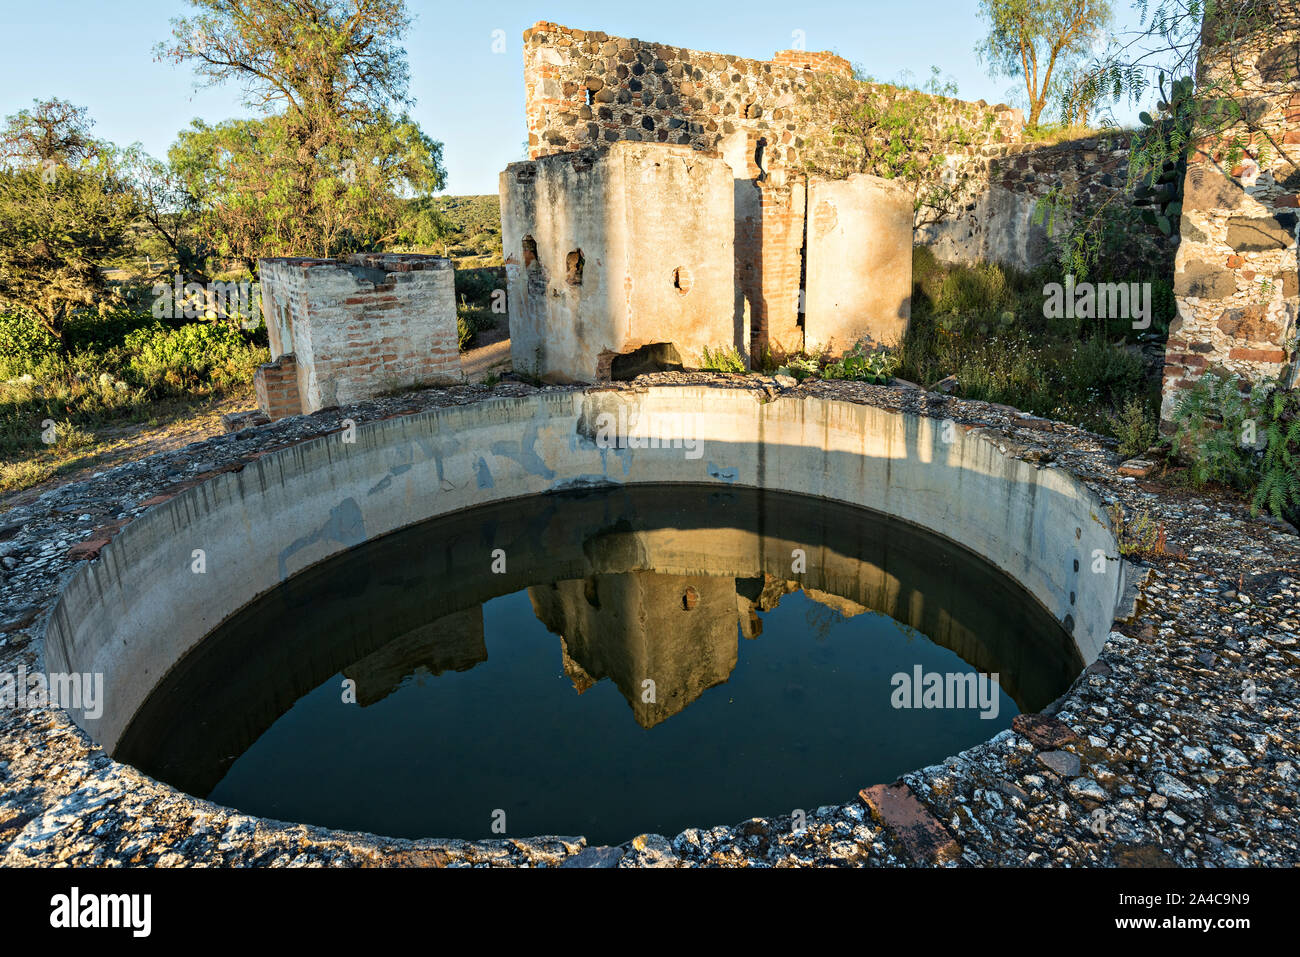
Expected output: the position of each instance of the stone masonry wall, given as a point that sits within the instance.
(1004, 193)
(585, 88)
(1237, 270)
(771, 121)
(361, 327)
(610, 252)
(589, 90)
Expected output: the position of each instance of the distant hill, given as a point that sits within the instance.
(477, 221)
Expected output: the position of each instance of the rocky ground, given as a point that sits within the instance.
(1178, 747)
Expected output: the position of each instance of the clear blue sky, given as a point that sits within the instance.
(98, 54)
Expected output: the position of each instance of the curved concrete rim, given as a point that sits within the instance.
(162, 585)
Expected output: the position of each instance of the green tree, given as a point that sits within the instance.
(1033, 39)
(66, 213)
(893, 130)
(333, 160)
(172, 213)
(1159, 64)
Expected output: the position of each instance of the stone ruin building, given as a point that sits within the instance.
(706, 152)
(824, 262)
(667, 207)
(616, 257)
(344, 331)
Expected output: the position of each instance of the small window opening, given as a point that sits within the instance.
(690, 598)
(682, 280)
(530, 251)
(760, 159)
(573, 265)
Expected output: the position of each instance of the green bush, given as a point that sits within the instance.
(476, 286)
(1135, 427)
(24, 345)
(87, 388)
(800, 367)
(1217, 431)
(722, 359)
(1245, 440)
(859, 365)
(71, 394)
(470, 321)
(197, 356)
(1279, 482)
(986, 325)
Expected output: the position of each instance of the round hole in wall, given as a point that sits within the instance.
(682, 280)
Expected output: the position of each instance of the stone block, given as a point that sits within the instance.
(923, 837)
(1257, 234)
(1200, 280)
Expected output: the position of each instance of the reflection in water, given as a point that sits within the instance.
(469, 691)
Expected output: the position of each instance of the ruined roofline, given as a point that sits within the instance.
(782, 60)
(621, 146)
(828, 62)
(389, 262)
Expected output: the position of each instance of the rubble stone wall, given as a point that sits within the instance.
(772, 120)
(1237, 269)
(584, 89)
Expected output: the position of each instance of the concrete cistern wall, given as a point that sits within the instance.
(138, 609)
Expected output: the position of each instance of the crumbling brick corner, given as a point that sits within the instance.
(356, 328)
(276, 385)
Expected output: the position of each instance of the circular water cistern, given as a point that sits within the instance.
(629, 660)
(502, 619)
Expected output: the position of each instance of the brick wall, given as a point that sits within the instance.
(360, 327)
(769, 262)
(1237, 269)
(276, 385)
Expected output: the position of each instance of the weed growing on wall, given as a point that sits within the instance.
(722, 359)
(899, 132)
